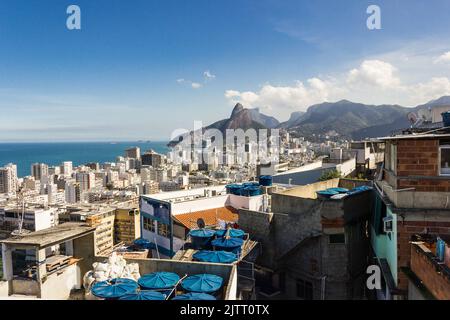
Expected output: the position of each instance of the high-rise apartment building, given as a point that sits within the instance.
(134, 153)
(86, 180)
(39, 170)
(67, 168)
(8, 179)
(151, 158)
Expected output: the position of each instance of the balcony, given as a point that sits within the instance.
(412, 199)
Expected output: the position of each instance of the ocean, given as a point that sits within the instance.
(25, 154)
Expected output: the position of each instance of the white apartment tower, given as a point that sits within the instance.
(67, 168)
(8, 179)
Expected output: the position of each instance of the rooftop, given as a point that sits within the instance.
(187, 195)
(211, 217)
(51, 236)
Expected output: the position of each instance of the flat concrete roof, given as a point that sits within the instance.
(167, 196)
(416, 136)
(51, 236)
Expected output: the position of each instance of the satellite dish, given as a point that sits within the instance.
(200, 223)
(412, 117)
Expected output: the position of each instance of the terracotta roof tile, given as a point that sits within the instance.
(210, 216)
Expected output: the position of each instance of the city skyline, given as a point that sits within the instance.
(182, 62)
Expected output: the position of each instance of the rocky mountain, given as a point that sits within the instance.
(245, 119)
(241, 118)
(343, 118)
(295, 116)
(350, 119)
(442, 101)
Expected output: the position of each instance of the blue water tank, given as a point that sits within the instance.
(200, 238)
(215, 256)
(251, 191)
(202, 283)
(265, 181)
(234, 189)
(114, 288)
(228, 244)
(234, 233)
(143, 295)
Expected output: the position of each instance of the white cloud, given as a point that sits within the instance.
(275, 99)
(207, 75)
(374, 81)
(444, 58)
(374, 72)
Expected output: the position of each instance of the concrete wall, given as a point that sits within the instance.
(25, 287)
(58, 285)
(4, 289)
(226, 271)
(427, 271)
(199, 204)
(84, 248)
(295, 238)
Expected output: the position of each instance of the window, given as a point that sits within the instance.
(444, 160)
(149, 224)
(380, 212)
(388, 224)
(393, 158)
(163, 230)
(338, 238)
(304, 289)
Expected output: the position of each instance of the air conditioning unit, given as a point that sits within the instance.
(387, 224)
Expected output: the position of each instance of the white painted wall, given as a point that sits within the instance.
(240, 202)
(58, 286)
(199, 204)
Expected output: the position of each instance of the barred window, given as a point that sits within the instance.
(163, 230)
(149, 224)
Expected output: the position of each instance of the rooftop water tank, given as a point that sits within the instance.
(338, 190)
(114, 288)
(234, 233)
(251, 191)
(158, 280)
(143, 243)
(215, 256)
(233, 188)
(202, 283)
(265, 181)
(144, 295)
(200, 238)
(326, 193)
(228, 244)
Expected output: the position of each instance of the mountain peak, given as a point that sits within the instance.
(237, 108)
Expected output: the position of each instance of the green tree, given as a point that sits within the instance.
(330, 174)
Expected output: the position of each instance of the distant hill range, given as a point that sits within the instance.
(343, 118)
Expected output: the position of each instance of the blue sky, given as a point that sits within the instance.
(136, 69)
